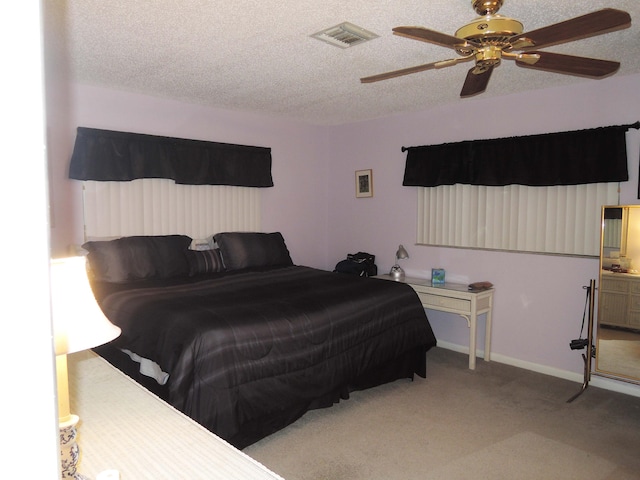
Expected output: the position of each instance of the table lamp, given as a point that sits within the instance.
(397, 272)
(78, 324)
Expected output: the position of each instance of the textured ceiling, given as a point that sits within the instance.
(258, 56)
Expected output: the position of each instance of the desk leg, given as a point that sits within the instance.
(472, 321)
(487, 338)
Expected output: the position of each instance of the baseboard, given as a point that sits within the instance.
(595, 381)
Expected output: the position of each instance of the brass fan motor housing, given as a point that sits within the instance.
(490, 27)
(492, 30)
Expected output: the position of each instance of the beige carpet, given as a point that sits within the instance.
(619, 351)
(497, 422)
(528, 456)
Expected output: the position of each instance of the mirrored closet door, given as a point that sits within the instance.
(618, 319)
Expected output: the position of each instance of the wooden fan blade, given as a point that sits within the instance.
(594, 23)
(476, 83)
(431, 36)
(416, 69)
(569, 64)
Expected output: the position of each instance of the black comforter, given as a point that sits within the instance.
(248, 352)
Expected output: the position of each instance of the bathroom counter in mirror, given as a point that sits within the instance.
(620, 299)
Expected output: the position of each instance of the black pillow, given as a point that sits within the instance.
(139, 257)
(204, 261)
(252, 249)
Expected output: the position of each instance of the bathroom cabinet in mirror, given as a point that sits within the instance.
(618, 319)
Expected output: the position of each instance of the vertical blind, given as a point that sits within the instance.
(612, 237)
(557, 219)
(162, 207)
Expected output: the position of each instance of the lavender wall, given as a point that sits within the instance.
(539, 298)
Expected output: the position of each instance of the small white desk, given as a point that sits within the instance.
(457, 298)
(125, 427)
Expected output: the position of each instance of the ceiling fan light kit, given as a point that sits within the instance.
(492, 37)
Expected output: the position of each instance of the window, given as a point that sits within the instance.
(158, 206)
(556, 220)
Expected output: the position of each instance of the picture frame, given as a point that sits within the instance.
(364, 183)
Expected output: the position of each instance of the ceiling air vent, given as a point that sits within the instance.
(345, 35)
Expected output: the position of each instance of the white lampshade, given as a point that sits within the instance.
(78, 320)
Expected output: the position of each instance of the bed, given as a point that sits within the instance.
(246, 341)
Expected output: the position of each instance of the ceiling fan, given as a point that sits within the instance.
(492, 37)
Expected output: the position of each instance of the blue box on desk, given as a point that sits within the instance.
(437, 276)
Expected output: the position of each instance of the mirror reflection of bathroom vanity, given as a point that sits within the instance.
(618, 320)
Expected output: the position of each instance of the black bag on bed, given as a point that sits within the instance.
(361, 263)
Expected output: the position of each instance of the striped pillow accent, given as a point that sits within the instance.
(205, 261)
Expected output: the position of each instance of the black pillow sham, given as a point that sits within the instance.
(134, 258)
(252, 249)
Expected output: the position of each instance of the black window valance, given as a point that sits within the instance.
(597, 155)
(106, 155)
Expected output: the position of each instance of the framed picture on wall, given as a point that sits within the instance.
(364, 183)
